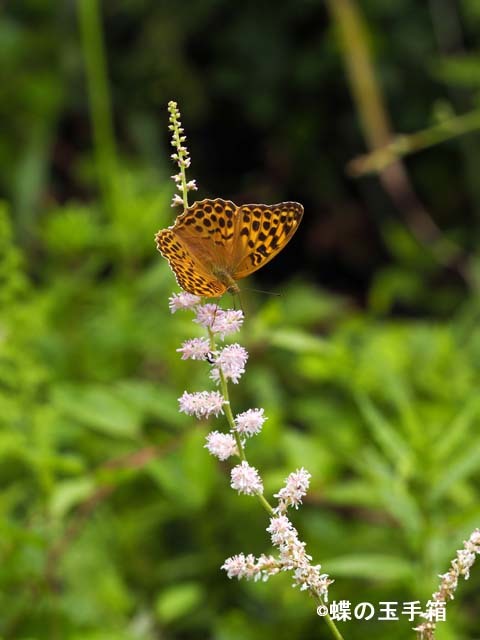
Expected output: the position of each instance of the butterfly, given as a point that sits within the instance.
(215, 242)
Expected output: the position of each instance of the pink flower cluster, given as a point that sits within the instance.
(251, 568)
(228, 364)
(292, 557)
(221, 445)
(195, 349)
(201, 404)
(284, 536)
(182, 300)
(460, 566)
(231, 362)
(219, 321)
(295, 488)
(246, 479)
(250, 422)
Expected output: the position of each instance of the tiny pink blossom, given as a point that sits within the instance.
(474, 541)
(250, 422)
(295, 489)
(449, 583)
(206, 314)
(231, 361)
(308, 576)
(221, 445)
(202, 403)
(228, 322)
(177, 201)
(220, 321)
(268, 566)
(463, 562)
(249, 567)
(246, 479)
(195, 349)
(281, 530)
(292, 552)
(240, 566)
(182, 300)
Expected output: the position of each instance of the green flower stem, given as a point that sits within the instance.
(99, 100)
(183, 173)
(241, 453)
(265, 504)
(330, 623)
(184, 188)
(228, 408)
(177, 143)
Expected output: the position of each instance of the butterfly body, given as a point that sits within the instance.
(225, 278)
(214, 243)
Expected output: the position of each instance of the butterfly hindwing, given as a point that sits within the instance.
(262, 231)
(190, 274)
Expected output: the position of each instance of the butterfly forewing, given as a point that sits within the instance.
(262, 231)
(207, 227)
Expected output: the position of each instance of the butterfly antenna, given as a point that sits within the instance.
(268, 293)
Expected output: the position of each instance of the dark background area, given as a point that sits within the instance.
(269, 112)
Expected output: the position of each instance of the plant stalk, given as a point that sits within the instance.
(99, 101)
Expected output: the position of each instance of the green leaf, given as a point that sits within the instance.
(392, 491)
(355, 492)
(69, 493)
(101, 408)
(178, 601)
(459, 469)
(370, 566)
(147, 397)
(298, 341)
(387, 437)
(302, 451)
(457, 432)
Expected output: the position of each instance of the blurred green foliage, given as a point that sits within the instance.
(114, 521)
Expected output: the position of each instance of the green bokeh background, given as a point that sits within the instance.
(114, 520)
